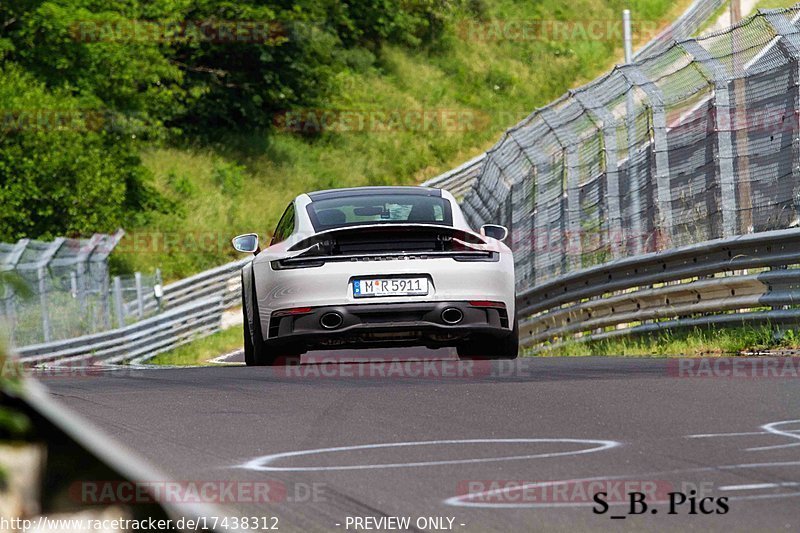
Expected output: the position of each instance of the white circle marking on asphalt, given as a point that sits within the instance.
(265, 463)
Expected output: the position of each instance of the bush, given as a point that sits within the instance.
(82, 81)
(63, 168)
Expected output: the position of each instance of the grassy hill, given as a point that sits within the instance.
(240, 181)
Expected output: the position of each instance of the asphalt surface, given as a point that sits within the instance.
(429, 441)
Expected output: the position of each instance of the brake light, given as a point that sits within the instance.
(292, 311)
(486, 303)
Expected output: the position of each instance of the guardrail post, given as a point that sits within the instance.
(139, 296)
(723, 128)
(158, 290)
(118, 304)
(609, 129)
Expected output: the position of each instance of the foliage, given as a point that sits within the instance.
(199, 351)
(172, 128)
(63, 170)
(83, 81)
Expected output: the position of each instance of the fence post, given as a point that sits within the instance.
(790, 46)
(637, 78)
(139, 296)
(118, 304)
(10, 311)
(571, 209)
(609, 129)
(80, 285)
(723, 128)
(43, 303)
(105, 298)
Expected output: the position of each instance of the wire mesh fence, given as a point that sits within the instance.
(62, 289)
(696, 142)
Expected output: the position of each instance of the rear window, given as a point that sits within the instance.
(379, 209)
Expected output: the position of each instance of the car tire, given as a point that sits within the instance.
(249, 357)
(488, 347)
(253, 343)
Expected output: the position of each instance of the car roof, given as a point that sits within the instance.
(369, 191)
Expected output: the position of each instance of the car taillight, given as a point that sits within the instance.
(292, 311)
(486, 303)
(286, 264)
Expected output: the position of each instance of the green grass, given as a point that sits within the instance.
(694, 342)
(498, 81)
(200, 351)
(775, 4)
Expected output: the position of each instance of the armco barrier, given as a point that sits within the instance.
(748, 279)
(222, 281)
(135, 343)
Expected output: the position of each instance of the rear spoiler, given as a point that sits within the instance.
(314, 250)
(467, 238)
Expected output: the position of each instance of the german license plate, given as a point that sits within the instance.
(363, 288)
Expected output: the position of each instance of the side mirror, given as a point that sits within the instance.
(247, 243)
(494, 231)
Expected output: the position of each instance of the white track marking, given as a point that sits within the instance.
(772, 428)
(222, 359)
(755, 486)
(707, 435)
(263, 463)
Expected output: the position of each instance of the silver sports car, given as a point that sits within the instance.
(377, 266)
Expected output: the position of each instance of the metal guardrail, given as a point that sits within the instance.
(135, 343)
(222, 280)
(193, 309)
(704, 284)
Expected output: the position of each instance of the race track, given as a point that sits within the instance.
(482, 444)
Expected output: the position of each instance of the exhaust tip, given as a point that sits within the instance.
(452, 315)
(331, 320)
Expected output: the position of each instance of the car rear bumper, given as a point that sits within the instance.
(439, 323)
(331, 285)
